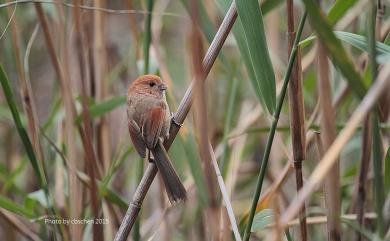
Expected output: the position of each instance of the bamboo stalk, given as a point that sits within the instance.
(297, 114)
(275, 120)
(178, 118)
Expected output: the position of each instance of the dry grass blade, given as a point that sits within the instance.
(225, 195)
(86, 133)
(323, 219)
(328, 134)
(212, 221)
(330, 157)
(74, 185)
(19, 225)
(26, 92)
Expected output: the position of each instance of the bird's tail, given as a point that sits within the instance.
(174, 187)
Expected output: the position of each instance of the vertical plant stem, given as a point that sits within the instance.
(273, 128)
(376, 138)
(134, 29)
(212, 211)
(328, 135)
(331, 156)
(364, 166)
(297, 114)
(148, 35)
(83, 52)
(100, 72)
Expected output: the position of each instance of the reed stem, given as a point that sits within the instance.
(376, 138)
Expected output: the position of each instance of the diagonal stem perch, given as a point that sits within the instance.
(177, 120)
(273, 128)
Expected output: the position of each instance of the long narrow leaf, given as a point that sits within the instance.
(21, 130)
(262, 219)
(252, 22)
(239, 35)
(334, 48)
(360, 42)
(104, 107)
(357, 41)
(11, 206)
(339, 8)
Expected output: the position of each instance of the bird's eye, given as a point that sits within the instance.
(151, 84)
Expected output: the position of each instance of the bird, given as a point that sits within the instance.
(149, 121)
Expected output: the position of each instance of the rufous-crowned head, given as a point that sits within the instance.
(147, 84)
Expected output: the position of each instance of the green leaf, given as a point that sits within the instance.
(194, 163)
(268, 5)
(339, 8)
(21, 130)
(262, 219)
(359, 42)
(39, 196)
(387, 172)
(223, 163)
(102, 108)
(336, 12)
(112, 197)
(251, 19)
(11, 206)
(334, 48)
(118, 160)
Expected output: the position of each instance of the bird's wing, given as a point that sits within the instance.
(136, 138)
(153, 123)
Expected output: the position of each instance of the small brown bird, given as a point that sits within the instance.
(149, 121)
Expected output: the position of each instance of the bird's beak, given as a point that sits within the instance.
(162, 86)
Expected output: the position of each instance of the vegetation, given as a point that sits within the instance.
(280, 124)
